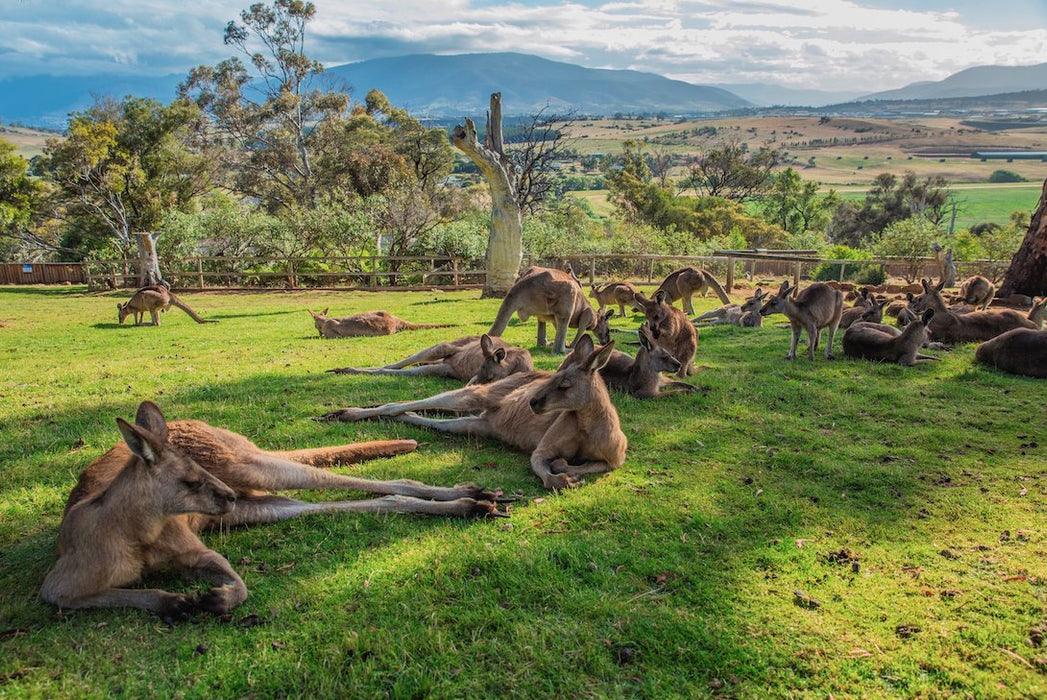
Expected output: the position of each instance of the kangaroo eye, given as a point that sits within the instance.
(566, 384)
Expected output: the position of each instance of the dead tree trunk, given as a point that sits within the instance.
(505, 245)
(148, 262)
(1027, 273)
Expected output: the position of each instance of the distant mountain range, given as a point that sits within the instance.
(449, 87)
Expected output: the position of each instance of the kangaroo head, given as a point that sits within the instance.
(319, 319)
(493, 367)
(570, 271)
(175, 483)
(575, 386)
(657, 311)
(754, 302)
(874, 312)
(777, 303)
(658, 358)
(593, 290)
(931, 298)
(603, 328)
(123, 311)
(1038, 312)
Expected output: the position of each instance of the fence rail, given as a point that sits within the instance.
(372, 272)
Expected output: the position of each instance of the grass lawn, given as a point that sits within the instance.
(980, 203)
(672, 577)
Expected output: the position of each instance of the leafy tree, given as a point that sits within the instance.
(1027, 273)
(730, 170)
(795, 205)
(20, 194)
(890, 199)
(909, 240)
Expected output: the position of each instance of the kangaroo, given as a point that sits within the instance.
(976, 326)
(153, 299)
(881, 343)
(549, 295)
(564, 419)
(688, 281)
(977, 291)
(746, 315)
(1018, 351)
(670, 329)
(367, 324)
(472, 359)
(819, 306)
(620, 293)
(870, 312)
(641, 377)
(138, 509)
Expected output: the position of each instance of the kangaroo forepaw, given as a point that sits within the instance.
(341, 370)
(560, 482)
(471, 490)
(219, 600)
(178, 608)
(346, 415)
(486, 509)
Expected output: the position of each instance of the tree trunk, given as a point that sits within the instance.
(1028, 271)
(505, 245)
(148, 263)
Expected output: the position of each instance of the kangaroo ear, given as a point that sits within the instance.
(498, 355)
(149, 417)
(940, 287)
(659, 296)
(584, 345)
(609, 313)
(909, 296)
(926, 284)
(141, 438)
(324, 312)
(486, 345)
(927, 316)
(645, 338)
(599, 358)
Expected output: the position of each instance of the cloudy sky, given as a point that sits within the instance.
(854, 45)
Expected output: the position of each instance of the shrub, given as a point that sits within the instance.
(831, 271)
(1006, 176)
(871, 275)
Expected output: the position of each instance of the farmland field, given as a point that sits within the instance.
(907, 503)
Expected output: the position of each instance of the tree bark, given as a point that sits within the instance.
(505, 245)
(148, 263)
(1027, 273)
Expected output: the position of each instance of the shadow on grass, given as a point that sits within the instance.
(49, 291)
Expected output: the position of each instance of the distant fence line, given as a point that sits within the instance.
(373, 272)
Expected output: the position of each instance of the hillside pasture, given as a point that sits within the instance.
(906, 503)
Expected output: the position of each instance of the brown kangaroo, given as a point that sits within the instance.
(138, 508)
(153, 299)
(819, 306)
(564, 419)
(640, 377)
(688, 281)
(746, 314)
(549, 295)
(977, 291)
(671, 329)
(366, 324)
(976, 326)
(882, 343)
(620, 293)
(475, 359)
(869, 312)
(1018, 351)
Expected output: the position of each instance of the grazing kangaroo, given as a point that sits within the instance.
(640, 377)
(878, 342)
(870, 312)
(153, 299)
(620, 293)
(976, 326)
(1018, 351)
(746, 315)
(671, 329)
(564, 419)
(475, 359)
(138, 508)
(367, 324)
(688, 281)
(549, 295)
(819, 306)
(977, 291)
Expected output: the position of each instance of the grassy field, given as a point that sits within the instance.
(909, 502)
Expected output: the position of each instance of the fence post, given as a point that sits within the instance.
(842, 267)
(454, 272)
(592, 270)
(796, 274)
(374, 272)
(650, 270)
(730, 274)
(290, 273)
(199, 273)
(86, 267)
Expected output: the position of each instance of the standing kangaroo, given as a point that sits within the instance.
(564, 419)
(138, 509)
(549, 295)
(671, 329)
(1018, 351)
(367, 324)
(688, 281)
(881, 343)
(640, 376)
(976, 326)
(977, 291)
(153, 299)
(819, 306)
(475, 359)
(620, 293)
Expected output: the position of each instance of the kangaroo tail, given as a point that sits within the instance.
(349, 454)
(184, 307)
(419, 326)
(711, 281)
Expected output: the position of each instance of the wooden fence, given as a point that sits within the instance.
(42, 273)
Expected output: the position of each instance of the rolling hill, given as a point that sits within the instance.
(972, 82)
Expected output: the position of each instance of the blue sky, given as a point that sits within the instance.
(857, 45)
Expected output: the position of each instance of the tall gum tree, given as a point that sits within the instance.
(1027, 273)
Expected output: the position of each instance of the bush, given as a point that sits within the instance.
(831, 271)
(871, 275)
(1006, 176)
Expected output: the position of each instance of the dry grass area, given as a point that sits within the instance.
(29, 142)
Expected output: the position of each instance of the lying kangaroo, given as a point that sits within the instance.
(366, 324)
(153, 299)
(640, 377)
(138, 508)
(564, 419)
(819, 306)
(549, 295)
(976, 326)
(1018, 351)
(671, 329)
(882, 343)
(977, 291)
(746, 315)
(871, 311)
(620, 293)
(475, 359)
(688, 281)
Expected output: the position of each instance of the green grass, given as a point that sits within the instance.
(978, 204)
(671, 577)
